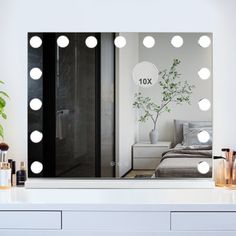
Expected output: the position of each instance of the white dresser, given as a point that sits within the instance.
(147, 156)
(126, 212)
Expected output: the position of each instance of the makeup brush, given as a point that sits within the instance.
(226, 153)
(3, 147)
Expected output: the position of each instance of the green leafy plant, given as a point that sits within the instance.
(3, 96)
(173, 91)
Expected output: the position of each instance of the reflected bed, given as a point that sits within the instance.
(182, 161)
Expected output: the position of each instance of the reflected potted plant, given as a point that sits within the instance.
(3, 96)
(173, 91)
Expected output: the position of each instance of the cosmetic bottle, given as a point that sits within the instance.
(234, 170)
(21, 175)
(5, 175)
(227, 166)
(13, 172)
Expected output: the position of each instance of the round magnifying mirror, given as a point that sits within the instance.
(145, 74)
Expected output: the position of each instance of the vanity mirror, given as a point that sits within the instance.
(120, 105)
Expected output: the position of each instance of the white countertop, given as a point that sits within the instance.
(119, 199)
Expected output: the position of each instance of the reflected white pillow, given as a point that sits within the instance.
(178, 128)
(191, 135)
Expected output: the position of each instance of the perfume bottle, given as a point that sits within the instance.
(21, 175)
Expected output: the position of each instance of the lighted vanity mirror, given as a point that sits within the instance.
(120, 105)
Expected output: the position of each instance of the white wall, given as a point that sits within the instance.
(19, 17)
(126, 126)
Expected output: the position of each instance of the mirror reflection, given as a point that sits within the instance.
(120, 105)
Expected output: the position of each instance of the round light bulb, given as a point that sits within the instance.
(35, 42)
(63, 41)
(91, 42)
(204, 41)
(36, 136)
(35, 73)
(203, 167)
(36, 167)
(149, 42)
(204, 104)
(35, 104)
(177, 41)
(203, 136)
(120, 41)
(204, 73)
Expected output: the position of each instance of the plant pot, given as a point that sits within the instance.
(153, 136)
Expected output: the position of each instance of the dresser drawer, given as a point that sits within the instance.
(149, 152)
(116, 221)
(203, 221)
(30, 220)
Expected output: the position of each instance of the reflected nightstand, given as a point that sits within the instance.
(147, 156)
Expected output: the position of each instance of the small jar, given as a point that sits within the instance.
(5, 175)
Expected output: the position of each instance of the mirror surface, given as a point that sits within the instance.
(120, 105)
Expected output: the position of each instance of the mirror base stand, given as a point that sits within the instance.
(50, 183)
